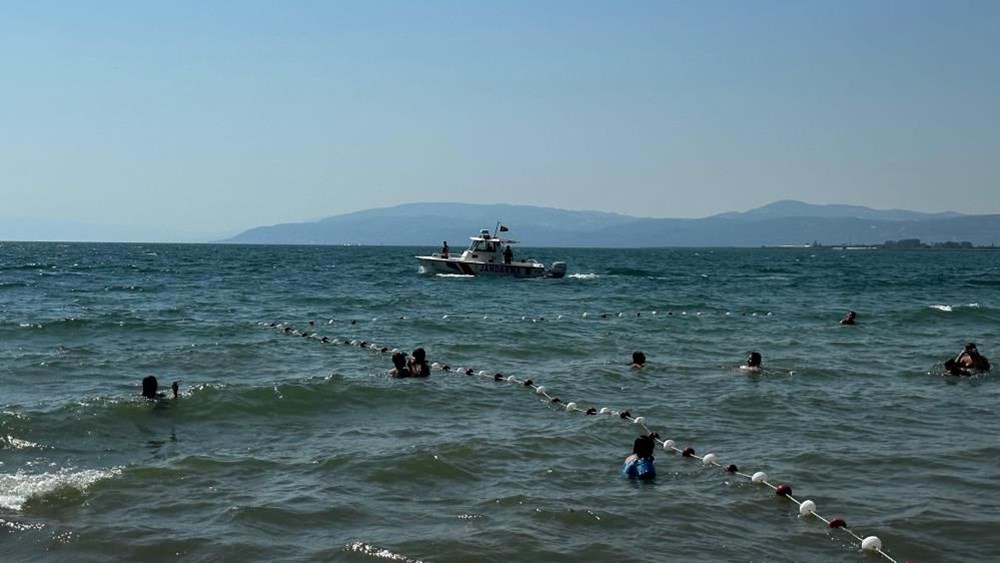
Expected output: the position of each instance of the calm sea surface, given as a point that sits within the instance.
(285, 448)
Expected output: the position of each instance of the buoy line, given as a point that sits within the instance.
(784, 490)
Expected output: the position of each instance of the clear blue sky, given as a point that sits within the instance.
(213, 116)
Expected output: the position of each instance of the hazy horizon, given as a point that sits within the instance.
(197, 121)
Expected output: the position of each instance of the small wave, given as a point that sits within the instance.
(377, 552)
(951, 308)
(17, 489)
(16, 443)
(589, 276)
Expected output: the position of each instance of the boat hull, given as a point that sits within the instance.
(435, 265)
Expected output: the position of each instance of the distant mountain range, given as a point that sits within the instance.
(779, 223)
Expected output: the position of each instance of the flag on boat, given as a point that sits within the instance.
(503, 229)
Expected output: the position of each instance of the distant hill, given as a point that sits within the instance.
(783, 222)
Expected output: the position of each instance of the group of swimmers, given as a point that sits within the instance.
(639, 464)
(414, 367)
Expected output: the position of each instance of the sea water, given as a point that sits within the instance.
(285, 448)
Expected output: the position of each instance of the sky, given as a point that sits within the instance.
(205, 118)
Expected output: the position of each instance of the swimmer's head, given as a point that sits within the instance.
(399, 360)
(643, 447)
(754, 360)
(419, 355)
(971, 347)
(149, 386)
(638, 358)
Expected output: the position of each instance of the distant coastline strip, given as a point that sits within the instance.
(806, 507)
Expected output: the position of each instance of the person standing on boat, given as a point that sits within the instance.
(444, 249)
(508, 254)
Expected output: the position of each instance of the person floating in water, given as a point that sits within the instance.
(418, 364)
(400, 369)
(849, 319)
(444, 249)
(638, 360)
(508, 255)
(753, 362)
(970, 359)
(639, 465)
(150, 387)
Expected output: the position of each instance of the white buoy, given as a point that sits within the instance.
(639, 420)
(485, 317)
(559, 317)
(668, 444)
(620, 315)
(539, 390)
(523, 318)
(570, 406)
(482, 372)
(460, 370)
(443, 317)
(604, 410)
(871, 543)
(393, 351)
(436, 365)
(511, 379)
(585, 314)
(709, 459)
(654, 312)
(329, 322)
(807, 507)
(759, 477)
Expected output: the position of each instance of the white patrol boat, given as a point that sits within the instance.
(489, 255)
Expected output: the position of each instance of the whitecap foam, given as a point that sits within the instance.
(17, 489)
(945, 308)
(17, 443)
(589, 276)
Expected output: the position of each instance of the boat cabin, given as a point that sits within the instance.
(486, 248)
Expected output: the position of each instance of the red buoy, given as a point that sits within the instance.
(838, 523)
(783, 490)
(688, 452)
(732, 468)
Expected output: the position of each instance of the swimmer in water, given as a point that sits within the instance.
(753, 362)
(638, 360)
(639, 465)
(849, 319)
(970, 358)
(400, 369)
(953, 368)
(418, 364)
(150, 387)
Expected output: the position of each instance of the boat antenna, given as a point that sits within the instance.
(496, 229)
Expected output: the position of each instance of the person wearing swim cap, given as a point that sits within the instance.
(638, 360)
(400, 369)
(639, 465)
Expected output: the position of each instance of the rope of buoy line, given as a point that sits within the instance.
(784, 490)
